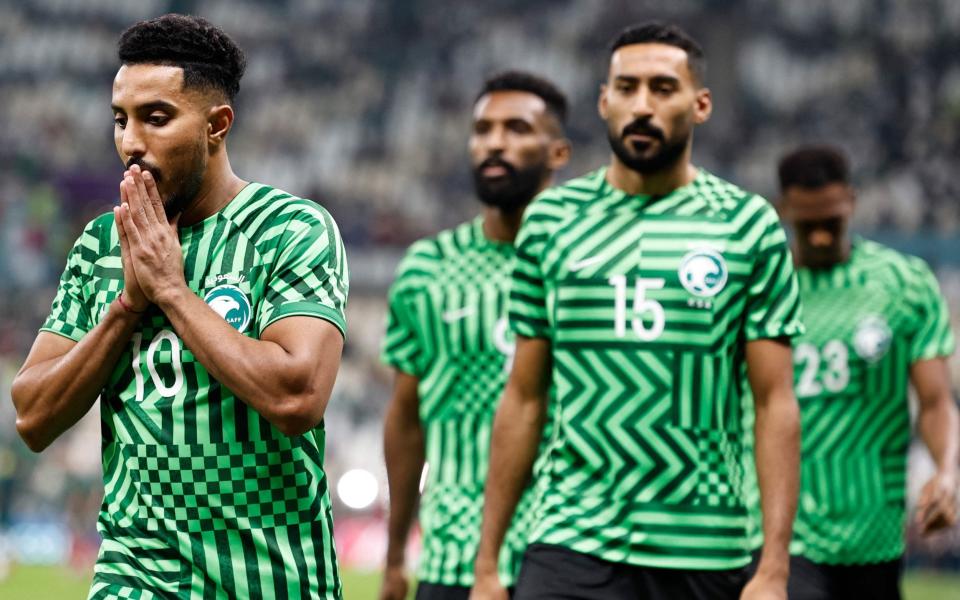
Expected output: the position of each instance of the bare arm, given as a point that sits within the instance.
(517, 430)
(61, 379)
(286, 376)
(777, 433)
(939, 426)
(403, 449)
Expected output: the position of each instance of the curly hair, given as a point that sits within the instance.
(209, 58)
(813, 166)
(520, 81)
(654, 32)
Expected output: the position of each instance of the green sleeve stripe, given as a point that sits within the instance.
(306, 309)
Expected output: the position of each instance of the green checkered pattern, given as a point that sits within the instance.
(447, 326)
(203, 497)
(647, 302)
(867, 320)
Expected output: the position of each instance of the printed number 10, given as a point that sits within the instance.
(167, 391)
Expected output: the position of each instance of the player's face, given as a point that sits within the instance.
(651, 104)
(821, 219)
(510, 148)
(161, 127)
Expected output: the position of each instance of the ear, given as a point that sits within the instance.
(602, 102)
(558, 153)
(219, 121)
(703, 106)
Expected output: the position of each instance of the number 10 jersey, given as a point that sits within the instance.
(204, 497)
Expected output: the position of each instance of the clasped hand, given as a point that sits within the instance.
(149, 243)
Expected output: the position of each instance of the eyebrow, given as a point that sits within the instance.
(148, 107)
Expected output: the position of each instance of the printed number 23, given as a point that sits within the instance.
(167, 391)
(834, 378)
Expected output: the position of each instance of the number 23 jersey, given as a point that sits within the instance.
(867, 321)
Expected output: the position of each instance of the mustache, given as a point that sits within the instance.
(643, 127)
(494, 161)
(145, 166)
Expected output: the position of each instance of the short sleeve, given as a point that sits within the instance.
(528, 297)
(933, 337)
(773, 295)
(309, 275)
(70, 313)
(402, 346)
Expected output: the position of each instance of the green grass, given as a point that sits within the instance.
(56, 583)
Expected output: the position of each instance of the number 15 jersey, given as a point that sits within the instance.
(647, 303)
(204, 497)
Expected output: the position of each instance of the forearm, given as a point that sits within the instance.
(52, 395)
(777, 434)
(260, 373)
(939, 425)
(403, 448)
(517, 431)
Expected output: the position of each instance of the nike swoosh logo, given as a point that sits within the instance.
(576, 265)
(461, 313)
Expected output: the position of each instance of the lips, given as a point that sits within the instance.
(494, 171)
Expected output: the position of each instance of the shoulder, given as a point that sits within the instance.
(421, 261)
(272, 218)
(558, 203)
(99, 237)
(892, 266)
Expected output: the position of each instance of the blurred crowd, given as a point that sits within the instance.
(365, 107)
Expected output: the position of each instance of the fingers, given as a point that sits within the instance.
(152, 193)
(130, 233)
(143, 198)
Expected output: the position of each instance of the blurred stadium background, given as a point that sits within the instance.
(365, 106)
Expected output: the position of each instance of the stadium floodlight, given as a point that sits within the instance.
(358, 488)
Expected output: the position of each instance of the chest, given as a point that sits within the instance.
(646, 279)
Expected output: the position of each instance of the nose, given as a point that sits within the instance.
(641, 104)
(495, 140)
(131, 142)
(820, 238)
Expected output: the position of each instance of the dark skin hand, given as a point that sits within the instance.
(403, 449)
(939, 426)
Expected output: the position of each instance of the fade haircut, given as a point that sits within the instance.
(210, 60)
(654, 32)
(813, 167)
(520, 81)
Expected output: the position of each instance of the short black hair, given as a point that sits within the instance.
(655, 32)
(521, 81)
(209, 58)
(813, 166)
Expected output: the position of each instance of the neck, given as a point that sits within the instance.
(807, 261)
(502, 226)
(220, 185)
(631, 182)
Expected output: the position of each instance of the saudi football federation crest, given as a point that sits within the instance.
(703, 272)
(872, 338)
(232, 304)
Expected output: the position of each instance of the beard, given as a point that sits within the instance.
(669, 153)
(185, 186)
(511, 191)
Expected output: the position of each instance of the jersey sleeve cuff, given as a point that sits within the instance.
(75, 335)
(306, 309)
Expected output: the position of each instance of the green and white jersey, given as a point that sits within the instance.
(203, 497)
(867, 321)
(648, 302)
(447, 325)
